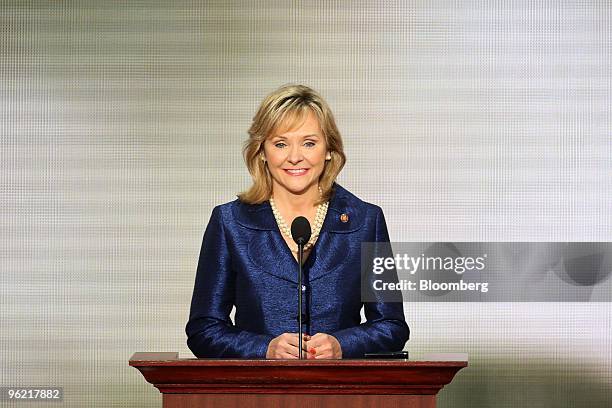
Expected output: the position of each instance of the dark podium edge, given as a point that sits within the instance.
(173, 375)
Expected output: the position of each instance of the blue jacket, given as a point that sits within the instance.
(245, 262)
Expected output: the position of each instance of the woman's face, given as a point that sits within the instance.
(296, 158)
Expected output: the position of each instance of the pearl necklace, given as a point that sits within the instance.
(316, 230)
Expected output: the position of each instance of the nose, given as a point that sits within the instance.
(295, 154)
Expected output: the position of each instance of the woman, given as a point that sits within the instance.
(248, 258)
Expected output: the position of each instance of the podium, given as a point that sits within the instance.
(346, 383)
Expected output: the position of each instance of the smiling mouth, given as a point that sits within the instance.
(296, 172)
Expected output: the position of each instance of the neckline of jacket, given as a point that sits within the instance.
(345, 214)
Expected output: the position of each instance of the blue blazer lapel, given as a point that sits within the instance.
(268, 250)
(344, 203)
(345, 217)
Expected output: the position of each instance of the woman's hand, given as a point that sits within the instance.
(286, 346)
(323, 345)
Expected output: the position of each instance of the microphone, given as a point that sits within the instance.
(300, 232)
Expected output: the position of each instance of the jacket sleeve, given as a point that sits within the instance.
(210, 332)
(385, 328)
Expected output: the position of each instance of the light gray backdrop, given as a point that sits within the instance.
(121, 125)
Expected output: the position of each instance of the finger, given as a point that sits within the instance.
(294, 350)
(291, 351)
(292, 340)
(290, 343)
(324, 354)
(290, 348)
(280, 353)
(314, 342)
(286, 355)
(294, 347)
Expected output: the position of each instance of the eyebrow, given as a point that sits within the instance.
(303, 137)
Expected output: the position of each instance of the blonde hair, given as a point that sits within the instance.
(288, 107)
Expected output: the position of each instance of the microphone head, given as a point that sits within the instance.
(300, 230)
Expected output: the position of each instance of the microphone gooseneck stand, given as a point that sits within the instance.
(300, 232)
(300, 331)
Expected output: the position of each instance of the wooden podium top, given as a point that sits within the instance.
(170, 374)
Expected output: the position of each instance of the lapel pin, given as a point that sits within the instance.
(344, 217)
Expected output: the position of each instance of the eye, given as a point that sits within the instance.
(280, 145)
(309, 144)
